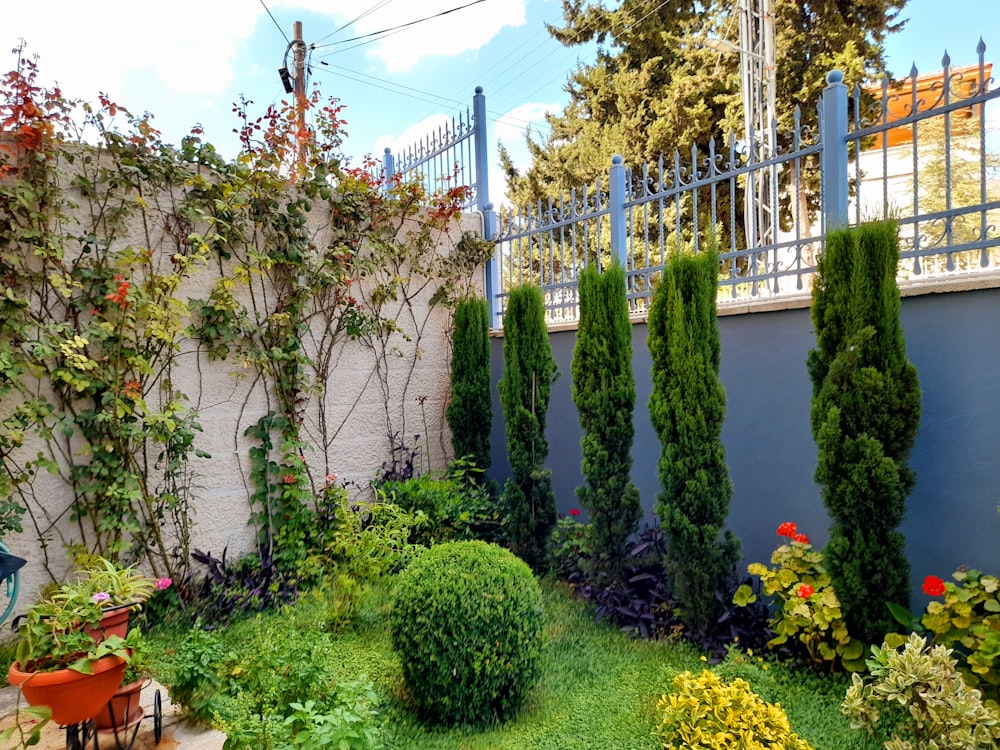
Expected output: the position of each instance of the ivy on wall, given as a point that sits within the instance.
(105, 230)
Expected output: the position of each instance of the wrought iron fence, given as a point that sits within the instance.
(922, 158)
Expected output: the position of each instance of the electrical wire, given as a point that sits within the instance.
(372, 9)
(400, 26)
(277, 25)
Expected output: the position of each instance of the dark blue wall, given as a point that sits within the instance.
(954, 341)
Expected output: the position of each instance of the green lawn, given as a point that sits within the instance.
(598, 688)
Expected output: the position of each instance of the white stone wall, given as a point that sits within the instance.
(229, 398)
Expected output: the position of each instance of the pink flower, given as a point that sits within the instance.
(289, 479)
(331, 478)
(801, 539)
(787, 529)
(574, 512)
(101, 596)
(933, 586)
(164, 583)
(805, 591)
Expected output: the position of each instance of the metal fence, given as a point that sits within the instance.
(456, 155)
(923, 158)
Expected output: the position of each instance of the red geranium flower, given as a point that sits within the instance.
(787, 529)
(290, 479)
(574, 512)
(801, 539)
(805, 591)
(933, 586)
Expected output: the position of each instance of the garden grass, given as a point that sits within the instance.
(597, 689)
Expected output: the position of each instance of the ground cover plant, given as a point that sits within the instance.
(596, 688)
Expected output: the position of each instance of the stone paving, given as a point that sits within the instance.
(178, 733)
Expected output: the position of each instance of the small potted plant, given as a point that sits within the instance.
(59, 665)
(115, 589)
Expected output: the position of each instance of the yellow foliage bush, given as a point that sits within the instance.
(706, 712)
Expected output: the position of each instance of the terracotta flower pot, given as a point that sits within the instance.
(122, 709)
(73, 697)
(113, 622)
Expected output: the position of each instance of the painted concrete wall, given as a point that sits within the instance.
(954, 341)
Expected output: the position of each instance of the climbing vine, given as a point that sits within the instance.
(128, 264)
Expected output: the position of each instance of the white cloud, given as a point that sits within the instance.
(412, 137)
(448, 36)
(188, 44)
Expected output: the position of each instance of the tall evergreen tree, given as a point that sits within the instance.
(528, 371)
(470, 413)
(865, 413)
(604, 394)
(687, 407)
(655, 85)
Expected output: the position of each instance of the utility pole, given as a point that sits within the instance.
(301, 134)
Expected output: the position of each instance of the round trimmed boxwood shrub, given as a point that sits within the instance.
(467, 626)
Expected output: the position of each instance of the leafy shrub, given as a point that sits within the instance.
(467, 626)
(372, 539)
(967, 621)
(807, 615)
(569, 546)
(706, 712)
(457, 506)
(227, 590)
(638, 601)
(916, 699)
(347, 722)
(197, 681)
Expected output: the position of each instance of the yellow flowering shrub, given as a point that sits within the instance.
(706, 712)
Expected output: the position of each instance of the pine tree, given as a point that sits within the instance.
(865, 413)
(470, 412)
(687, 407)
(656, 87)
(604, 394)
(528, 371)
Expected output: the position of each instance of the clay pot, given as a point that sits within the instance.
(113, 622)
(74, 697)
(122, 709)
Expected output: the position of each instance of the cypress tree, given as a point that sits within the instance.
(469, 413)
(528, 371)
(604, 394)
(865, 413)
(687, 407)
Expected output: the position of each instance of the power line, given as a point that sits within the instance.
(426, 96)
(402, 25)
(275, 21)
(372, 9)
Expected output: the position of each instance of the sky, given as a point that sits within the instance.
(188, 61)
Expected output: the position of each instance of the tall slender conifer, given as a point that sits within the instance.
(470, 413)
(528, 371)
(687, 407)
(865, 413)
(604, 394)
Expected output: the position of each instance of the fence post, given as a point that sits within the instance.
(388, 169)
(616, 207)
(833, 166)
(483, 204)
